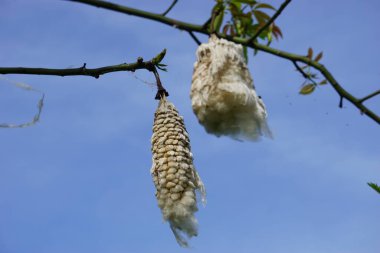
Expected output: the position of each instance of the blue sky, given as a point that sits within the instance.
(79, 180)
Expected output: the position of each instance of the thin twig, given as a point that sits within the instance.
(143, 14)
(369, 96)
(306, 76)
(170, 7)
(83, 71)
(270, 21)
(204, 26)
(195, 38)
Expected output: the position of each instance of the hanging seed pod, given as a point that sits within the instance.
(173, 172)
(222, 92)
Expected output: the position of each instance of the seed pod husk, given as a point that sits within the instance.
(173, 172)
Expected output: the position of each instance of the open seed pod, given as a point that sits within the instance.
(222, 92)
(173, 172)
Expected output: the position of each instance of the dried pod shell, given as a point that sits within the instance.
(222, 92)
(173, 172)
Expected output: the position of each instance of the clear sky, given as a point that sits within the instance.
(79, 182)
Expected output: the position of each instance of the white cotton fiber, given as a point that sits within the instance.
(223, 95)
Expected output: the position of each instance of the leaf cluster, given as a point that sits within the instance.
(311, 78)
(244, 18)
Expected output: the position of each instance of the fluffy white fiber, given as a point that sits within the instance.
(223, 95)
(174, 174)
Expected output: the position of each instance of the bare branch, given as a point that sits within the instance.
(170, 7)
(270, 21)
(83, 71)
(143, 14)
(369, 96)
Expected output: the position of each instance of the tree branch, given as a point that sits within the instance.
(83, 71)
(170, 7)
(270, 21)
(202, 29)
(306, 76)
(143, 14)
(369, 96)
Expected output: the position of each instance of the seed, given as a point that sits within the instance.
(172, 164)
(172, 170)
(175, 196)
(170, 177)
(170, 185)
(178, 188)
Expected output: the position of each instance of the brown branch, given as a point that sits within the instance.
(170, 7)
(369, 96)
(270, 21)
(252, 44)
(83, 71)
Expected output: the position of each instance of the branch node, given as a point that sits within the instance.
(369, 96)
(161, 91)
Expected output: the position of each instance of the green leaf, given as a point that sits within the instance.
(260, 16)
(236, 3)
(251, 30)
(235, 9)
(219, 18)
(267, 6)
(245, 51)
(375, 187)
(251, 2)
(269, 35)
(310, 53)
(218, 21)
(307, 89)
(318, 57)
(323, 82)
(159, 57)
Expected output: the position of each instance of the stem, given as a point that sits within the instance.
(195, 38)
(369, 96)
(170, 7)
(143, 14)
(306, 76)
(270, 21)
(83, 71)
